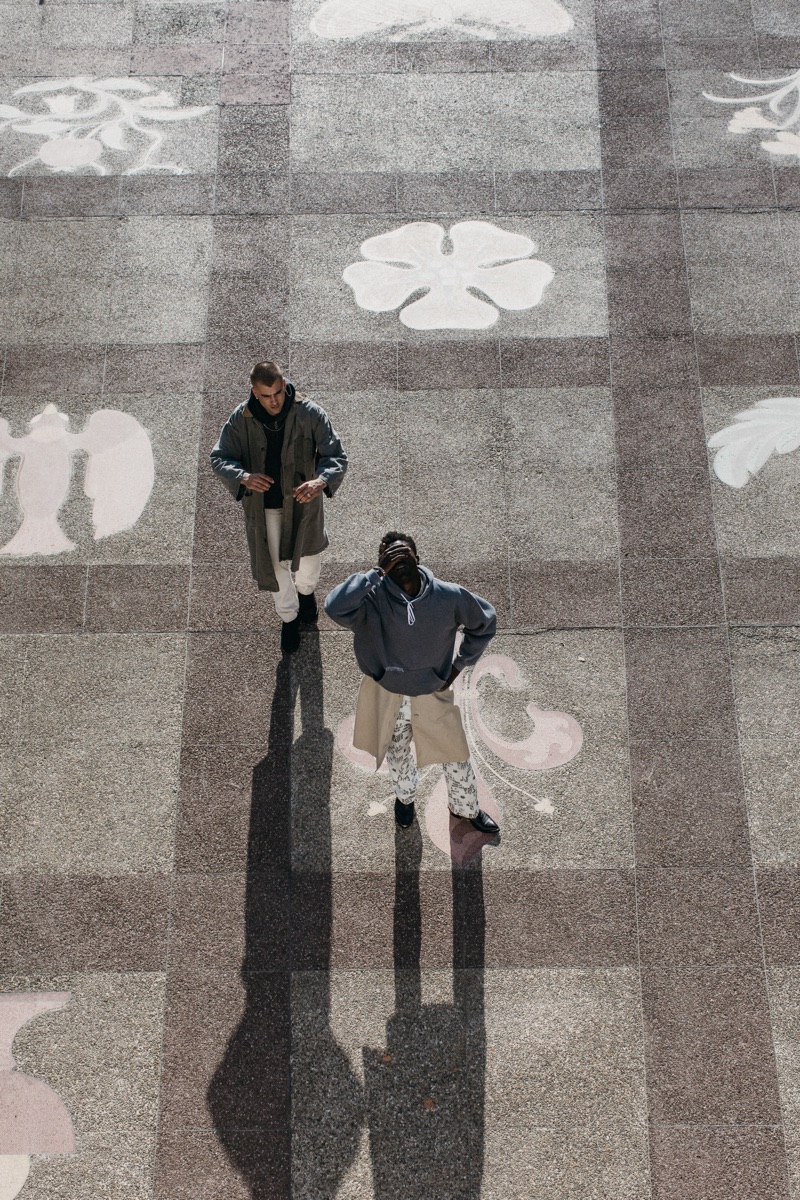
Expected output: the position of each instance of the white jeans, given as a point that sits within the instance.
(306, 576)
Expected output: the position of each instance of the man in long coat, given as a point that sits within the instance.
(279, 454)
(405, 623)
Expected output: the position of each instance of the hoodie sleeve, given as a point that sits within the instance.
(479, 620)
(344, 604)
(228, 454)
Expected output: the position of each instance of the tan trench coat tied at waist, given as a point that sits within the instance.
(435, 724)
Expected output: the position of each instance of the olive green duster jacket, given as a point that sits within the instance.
(311, 449)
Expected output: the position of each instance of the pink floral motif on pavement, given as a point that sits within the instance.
(555, 739)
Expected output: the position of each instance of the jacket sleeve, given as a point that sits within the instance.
(228, 456)
(331, 457)
(479, 620)
(344, 604)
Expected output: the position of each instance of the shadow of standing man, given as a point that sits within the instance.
(289, 1111)
(425, 1091)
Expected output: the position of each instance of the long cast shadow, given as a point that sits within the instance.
(286, 1145)
(425, 1090)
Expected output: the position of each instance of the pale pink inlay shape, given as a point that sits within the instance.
(33, 1118)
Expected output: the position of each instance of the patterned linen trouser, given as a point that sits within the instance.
(462, 787)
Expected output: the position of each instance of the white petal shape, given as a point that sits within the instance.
(750, 118)
(119, 474)
(481, 244)
(417, 244)
(515, 285)
(785, 143)
(356, 18)
(54, 85)
(770, 427)
(380, 287)
(113, 135)
(449, 308)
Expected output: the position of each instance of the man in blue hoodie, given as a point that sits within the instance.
(405, 623)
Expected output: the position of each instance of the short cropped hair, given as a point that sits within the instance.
(394, 536)
(266, 372)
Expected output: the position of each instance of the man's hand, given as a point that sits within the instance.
(453, 676)
(392, 555)
(304, 493)
(257, 483)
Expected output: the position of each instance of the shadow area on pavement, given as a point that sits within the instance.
(287, 1104)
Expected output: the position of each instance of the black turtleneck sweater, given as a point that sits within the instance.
(273, 428)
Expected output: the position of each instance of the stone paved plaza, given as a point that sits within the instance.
(540, 262)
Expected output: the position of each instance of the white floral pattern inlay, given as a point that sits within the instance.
(769, 427)
(119, 476)
(83, 122)
(782, 101)
(482, 258)
(480, 18)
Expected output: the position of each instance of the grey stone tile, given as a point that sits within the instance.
(248, 1159)
(84, 923)
(764, 674)
(53, 796)
(665, 513)
(531, 191)
(738, 360)
(457, 192)
(653, 361)
(42, 599)
(718, 1163)
(119, 1162)
(61, 293)
(102, 26)
(137, 599)
(216, 795)
(452, 119)
(100, 1052)
(240, 88)
(263, 23)
(564, 1048)
(10, 198)
(737, 278)
(760, 519)
(779, 912)
(448, 56)
(660, 427)
(345, 192)
(675, 591)
(596, 1161)
(581, 503)
(161, 274)
(129, 688)
(84, 196)
(762, 591)
(554, 362)
(473, 363)
(189, 196)
(252, 194)
(703, 1068)
(152, 369)
(212, 915)
(253, 138)
(171, 59)
(690, 917)
(178, 23)
(561, 593)
(12, 686)
(31, 369)
(233, 703)
(571, 427)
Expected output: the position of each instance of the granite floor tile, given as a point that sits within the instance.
(129, 685)
(182, 23)
(708, 1047)
(665, 513)
(655, 362)
(137, 599)
(727, 188)
(187, 195)
(255, 194)
(176, 369)
(224, 921)
(232, 1166)
(532, 191)
(691, 917)
(671, 591)
(688, 803)
(679, 684)
(84, 923)
(100, 1052)
(565, 593)
(761, 591)
(778, 890)
(761, 360)
(225, 596)
(599, 1162)
(717, 1163)
(118, 1162)
(225, 698)
(454, 192)
(659, 427)
(344, 192)
(562, 1046)
(74, 810)
(574, 428)
(30, 369)
(555, 362)
(473, 364)
(70, 197)
(15, 651)
(226, 1052)
(253, 138)
(353, 364)
(376, 920)
(257, 23)
(42, 599)
(219, 787)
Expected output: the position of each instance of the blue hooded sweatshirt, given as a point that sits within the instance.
(406, 644)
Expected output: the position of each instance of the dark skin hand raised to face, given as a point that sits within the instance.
(399, 562)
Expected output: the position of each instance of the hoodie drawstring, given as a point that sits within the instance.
(412, 619)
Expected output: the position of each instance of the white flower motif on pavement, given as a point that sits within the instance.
(769, 427)
(782, 101)
(480, 18)
(85, 122)
(483, 258)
